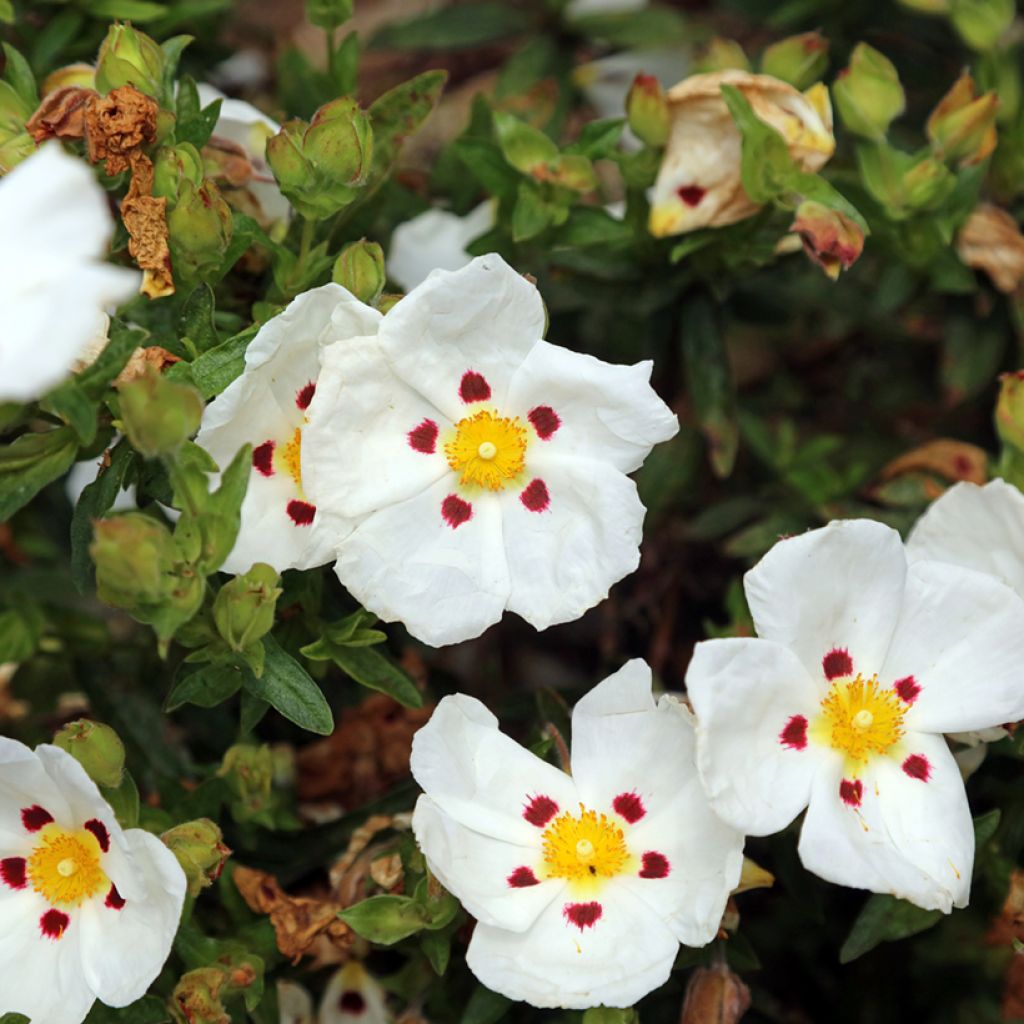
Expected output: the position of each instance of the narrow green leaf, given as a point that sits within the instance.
(134, 10)
(30, 463)
(7, 12)
(197, 324)
(452, 28)
(147, 1010)
(399, 113)
(207, 686)
(647, 27)
(531, 214)
(18, 75)
(124, 800)
(71, 404)
(985, 826)
(14, 1018)
(885, 919)
(214, 370)
(370, 668)
(485, 1007)
(287, 687)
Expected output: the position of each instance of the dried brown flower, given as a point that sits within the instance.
(715, 995)
(991, 240)
(118, 124)
(61, 114)
(145, 217)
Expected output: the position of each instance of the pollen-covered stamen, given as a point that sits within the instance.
(584, 846)
(64, 868)
(487, 450)
(288, 457)
(860, 718)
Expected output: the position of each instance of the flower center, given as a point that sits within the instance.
(487, 450)
(65, 867)
(289, 455)
(584, 846)
(861, 718)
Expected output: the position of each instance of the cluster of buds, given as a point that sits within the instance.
(201, 851)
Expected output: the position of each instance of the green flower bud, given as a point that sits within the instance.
(157, 414)
(721, 55)
(173, 165)
(134, 556)
(1010, 410)
(963, 126)
(199, 229)
(800, 60)
(647, 110)
(249, 773)
(97, 748)
(927, 184)
(982, 23)
(197, 997)
(293, 171)
(201, 851)
(339, 142)
(244, 607)
(129, 57)
(360, 268)
(329, 14)
(868, 93)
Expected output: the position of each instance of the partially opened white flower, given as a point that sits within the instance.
(353, 996)
(862, 663)
(488, 467)
(582, 885)
(54, 286)
(88, 911)
(435, 240)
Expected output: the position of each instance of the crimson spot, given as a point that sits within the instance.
(545, 421)
(534, 496)
(263, 458)
(35, 817)
(523, 878)
(456, 511)
(352, 1002)
(305, 395)
(851, 792)
(655, 865)
(583, 915)
(794, 733)
(917, 766)
(540, 810)
(12, 871)
(114, 899)
(99, 830)
(301, 512)
(630, 807)
(691, 194)
(474, 387)
(424, 437)
(907, 689)
(53, 924)
(837, 663)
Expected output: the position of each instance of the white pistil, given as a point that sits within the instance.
(67, 867)
(585, 850)
(487, 450)
(863, 719)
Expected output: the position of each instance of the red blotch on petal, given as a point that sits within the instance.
(456, 511)
(545, 421)
(53, 924)
(691, 194)
(583, 915)
(99, 830)
(12, 871)
(851, 792)
(535, 496)
(630, 807)
(424, 437)
(301, 513)
(837, 663)
(523, 878)
(540, 810)
(655, 865)
(794, 733)
(263, 458)
(352, 1002)
(114, 899)
(917, 766)
(35, 817)
(907, 689)
(474, 387)
(305, 395)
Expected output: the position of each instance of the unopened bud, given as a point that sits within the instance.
(329, 14)
(360, 268)
(831, 239)
(173, 165)
(927, 184)
(868, 93)
(647, 110)
(339, 142)
(715, 995)
(201, 851)
(97, 748)
(199, 229)
(249, 773)
(1010, 410)
(244, 607)
(722, 55)
(982, 23)
(800, 60)
(133, 554)
(197, 997)
(157, 414)
(129, 57)
(963, 126)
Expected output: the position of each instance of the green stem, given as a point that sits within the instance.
(308, 233)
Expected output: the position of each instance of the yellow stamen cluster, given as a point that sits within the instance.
(487, 450)
(584, 846)
(290, 457)
(860, 718)
(65, 867)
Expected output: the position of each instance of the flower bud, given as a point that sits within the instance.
(339, 142)
(129, 57)
(723, 55)
(1009, 414)
(963, 126)
(157, 414)
(244, 607)
(248, 771)
(714, 995)
(201, 851)
(199, 229)
(133, 554)
(982, 23)
(831, 239)
(97, 748)
(360, 268)
(868, 93)
(71, 76)
(196, 997)
(329, 14)
(647, 110)
(284, 154)
(800, 60)
(927, 184)
(174, 164)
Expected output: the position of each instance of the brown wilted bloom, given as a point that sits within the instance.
(61, 114)
(118, 124)
(943, 458)
(714, 995)
(830, 238)
(145, 217)
(141, 359)
(991, 240)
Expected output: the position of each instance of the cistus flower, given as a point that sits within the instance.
(89, 910)
(861, 663)
(353, 994)
(699, 183)
(53, 283)
(486, 466)
(434, 240)
(582, 885)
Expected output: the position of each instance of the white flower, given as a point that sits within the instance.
(89, 911)
(353, 996)
(863, 662)
(486, 466)
(294, 1003)
(267, 407)
(582, 885)
(53, 283)
(435, 240)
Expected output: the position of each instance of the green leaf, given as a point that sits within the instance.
(207, 686)
(985, 826)
(598, 139)
(19, 76)
(122, 341)
(487, 164)
(14, 1018)
(485, 1007)
(389, 919)
(214, 370)
(652, 26)
(288, 688)
(20, 630)
(71, 404)
(124, 800)
(252, 711)
(452, 28)
(590, 225)
(885, 919)
(766, 167)
(523, 145)
(30, 463)
(7, 12)
(125, 10)
(399, 113)
(369, 668)
(196, 326)
(147, 1010)
(344, 65)
(194, 123)
(531, 214)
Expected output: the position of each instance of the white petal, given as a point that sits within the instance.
(483, 318)
(627, 953)
(124, 950)
(294, 1003)
(960, 634)
(24, 783)
(839, 587)
(607, 412)
(746, 692)
(566, 556)
(434, 240)
(482, 778)
(358, 453)
(406, 563)
(353, 980)
(976, 527)
(911, 838)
